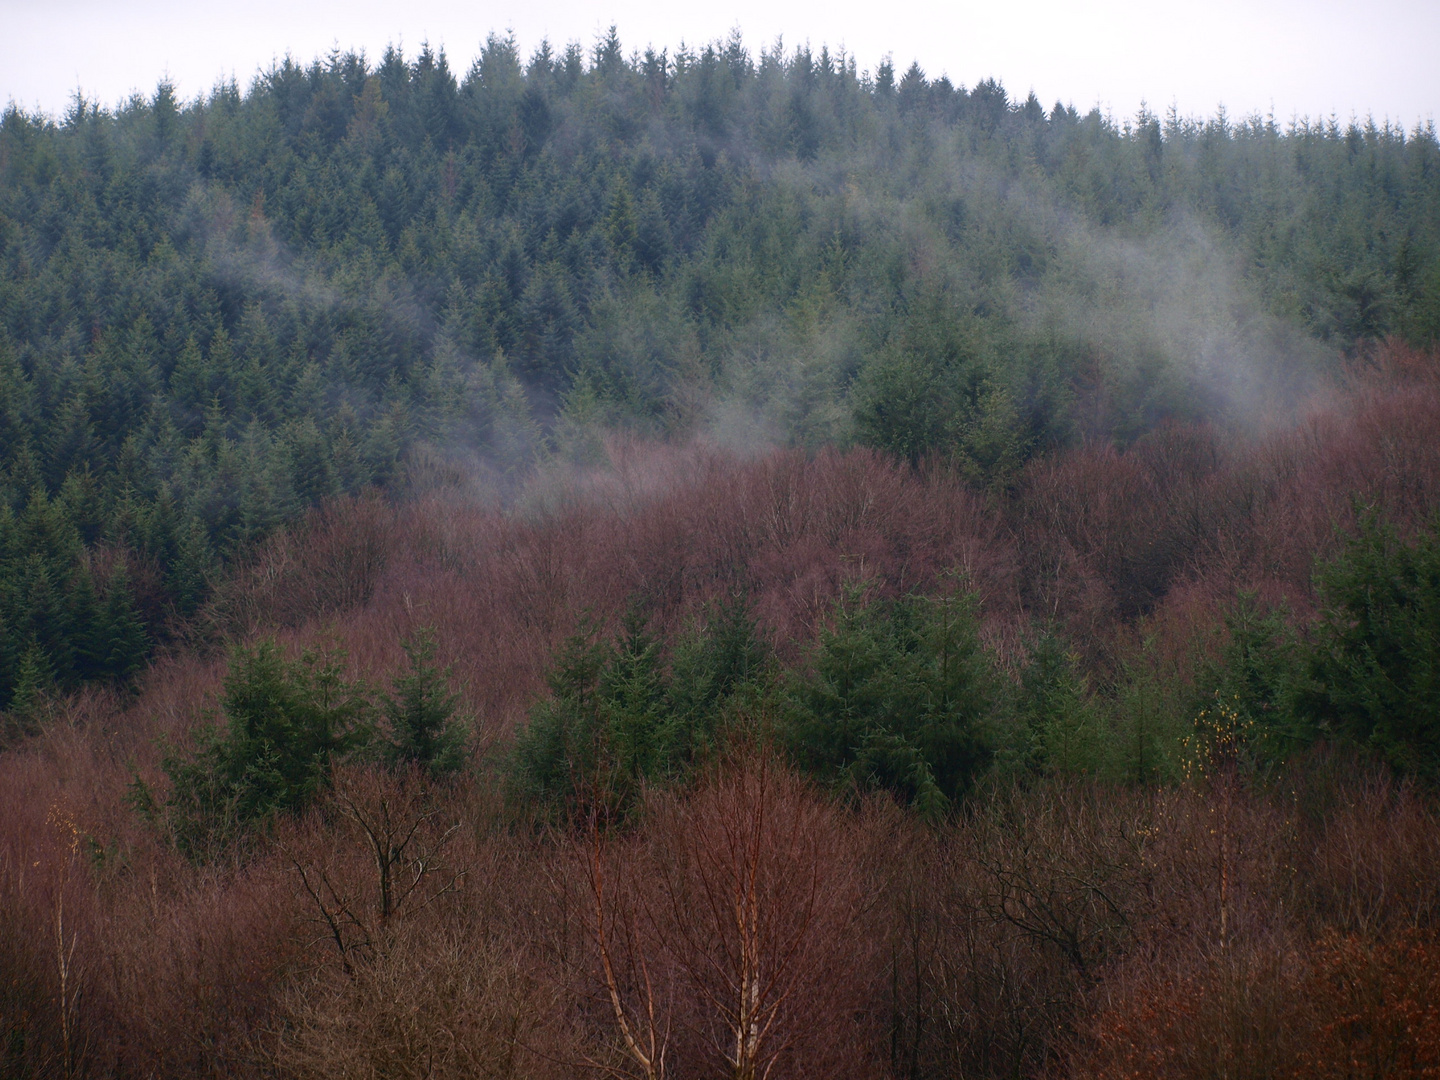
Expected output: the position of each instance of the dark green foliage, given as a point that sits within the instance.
(604, 731)
(1259, 676)
(1147, 713)
(123, 642)
(932, 392)
(722, 666)
(286, 722)
(50, 601)
(1376, 659)
(33, 682)
(899, 696)
(214, 314)
(421, 726)
(190, 569)
(631, 712)
(1056, 721)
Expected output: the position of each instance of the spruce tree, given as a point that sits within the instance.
(420, 713)
(125, 641)
(1375, 668)
(34, 679)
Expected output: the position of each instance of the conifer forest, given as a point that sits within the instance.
(714, 563)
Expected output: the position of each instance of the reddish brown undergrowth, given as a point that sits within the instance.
(734, 934)
(1063, 926)
(1286, 944)
(1093, 540)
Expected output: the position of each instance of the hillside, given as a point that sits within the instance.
(216, 313)
(714, 565)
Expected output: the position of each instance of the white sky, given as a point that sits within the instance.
(1306, 57)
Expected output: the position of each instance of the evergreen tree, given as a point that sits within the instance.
(286, 723)
(1057, 724)
(635, 710)
(34, 680)
(1376, 661)
(189, 578)
(235, 307)
(125, 643)
(638, 732)
(420, 713)
(899, 698)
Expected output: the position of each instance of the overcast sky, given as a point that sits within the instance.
(1313, 58)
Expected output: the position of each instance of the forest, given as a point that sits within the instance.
(714, 563)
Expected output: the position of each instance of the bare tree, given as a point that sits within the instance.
(397, 829)
(619, 930)
(68, 974)
(761, 883)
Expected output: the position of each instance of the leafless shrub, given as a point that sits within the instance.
(725, 940)
(440, 1002)
(386, 862)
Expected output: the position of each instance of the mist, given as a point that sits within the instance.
(436, 278)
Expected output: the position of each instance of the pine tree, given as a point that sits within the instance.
(1056, 723)
(897, 699)
(189, 578)
(286, 724)
(639, 734)
(192, 385)
(88, 619)
(1375, 667)
(126, 643)
(34, 679)
(420, 713)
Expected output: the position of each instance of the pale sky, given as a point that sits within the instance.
(1289, 57)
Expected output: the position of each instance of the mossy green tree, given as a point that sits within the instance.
(1056, 725)
(635, 710)
(558, 747)
(286, 723)
(34, 682)
(1375, 666)
(608, 728)
(1259, 675)
(422, 727)
(124, 642)
(721, 672)
(899, 696)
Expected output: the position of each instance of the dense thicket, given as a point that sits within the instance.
(215, 313)
(1129, 772)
